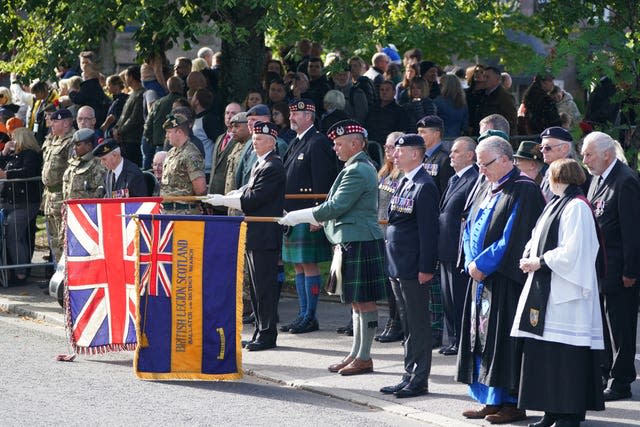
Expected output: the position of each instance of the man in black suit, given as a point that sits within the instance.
(452, 280)
(437, 164)
(311, 167)
(411, 256)
(262, 196)
(124, 178)
(615, 196)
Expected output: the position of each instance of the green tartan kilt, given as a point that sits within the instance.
(303, 246)
(363, 271)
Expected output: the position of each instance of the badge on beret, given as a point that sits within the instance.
(301, 105)
(265, 129)
(340, 130)
(401, 141)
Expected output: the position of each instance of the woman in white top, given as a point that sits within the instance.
(559, 313)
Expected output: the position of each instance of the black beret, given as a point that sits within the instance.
(105, 147)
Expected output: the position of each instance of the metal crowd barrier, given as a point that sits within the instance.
(8, 236)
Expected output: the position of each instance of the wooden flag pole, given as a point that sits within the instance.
(172, 199)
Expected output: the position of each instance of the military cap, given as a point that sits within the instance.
(557, 132)
(302, 104)
(84, 135)
(409, 140)
(345, 127)
(105, 147)
(265, 128)
(259, 110)
(529, 150)
(175, 121)
(61, 114)
(430, 122)
(493, 132)
(239, 118)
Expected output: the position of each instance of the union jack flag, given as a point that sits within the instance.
(100, 263)
(156, 257)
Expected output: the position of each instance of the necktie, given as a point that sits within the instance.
(225, 141)
(111, 183)
(403, 183)
(454, 179)
(598, 184)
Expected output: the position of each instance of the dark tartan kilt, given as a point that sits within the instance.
(303, 246)
(363, 271)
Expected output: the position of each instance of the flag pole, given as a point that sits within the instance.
(172, 199)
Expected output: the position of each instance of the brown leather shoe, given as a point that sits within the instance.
(507, 415)
(357, 367)
(478, 415)
(337, 366)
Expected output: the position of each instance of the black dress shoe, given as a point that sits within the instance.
(245, 343)
(288, 326)
(307, 325)
(547, 421)
(450, 351)
(612, 394)
(412, 390)
(391, 389)
(260, 345)
(343, 329)
(392, 335)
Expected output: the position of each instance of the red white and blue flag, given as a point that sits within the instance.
(156, 257)
(101, 271)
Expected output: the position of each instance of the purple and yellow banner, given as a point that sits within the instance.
(190, 304)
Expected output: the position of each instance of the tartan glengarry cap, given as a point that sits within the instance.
(61, 114)
(105, 147)
(557, 132)
(346, 127)
(265, 128)
(409, 140)
(430, 122)
(174, 121)
(302, 104)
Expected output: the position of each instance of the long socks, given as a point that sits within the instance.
(357, 334)
(302, 294)
(368, 327)
(312, 286)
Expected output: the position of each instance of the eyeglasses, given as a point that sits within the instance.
(486, 165)
(549, 147)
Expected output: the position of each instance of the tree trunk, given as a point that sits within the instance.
(242, 57)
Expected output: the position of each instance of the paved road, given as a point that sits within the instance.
(277, 378)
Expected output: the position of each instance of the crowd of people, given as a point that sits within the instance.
(406, 182)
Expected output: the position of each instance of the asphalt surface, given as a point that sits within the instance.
(300, 362)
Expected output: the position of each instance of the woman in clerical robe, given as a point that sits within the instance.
(558, 313)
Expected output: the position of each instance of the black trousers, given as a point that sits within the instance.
(263, 269)
(412, 301)
(454, 290)
(620, 311)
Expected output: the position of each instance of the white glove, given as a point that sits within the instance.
(215, 199)
(231, 201)
(299, 217)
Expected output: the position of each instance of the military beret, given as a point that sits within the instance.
(430, 122)
(61, 114)
(174, 121)
(529, 150)
(84, 135)
(557, 132)
(239, 118)
(259, 110)
(410, 140)
(105, 147)
(265, 128)
(346, 127)
(493, 132)
(302, 104)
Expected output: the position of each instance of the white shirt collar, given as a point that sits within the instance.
(118, 170)
(463, 170)
(607, 171)
(409, 175)
(301, 135)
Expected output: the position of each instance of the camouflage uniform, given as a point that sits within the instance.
(83, 177)
(232, 167)
(56, 154)
(182, 165)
